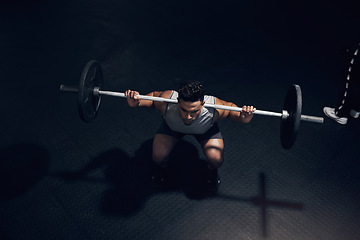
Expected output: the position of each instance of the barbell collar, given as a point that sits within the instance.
(313, 119)
(284, 114)
(305, 118)
(96, 91)
(67, 88)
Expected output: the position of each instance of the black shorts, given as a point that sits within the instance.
(212, 133)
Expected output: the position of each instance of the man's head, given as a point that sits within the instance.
(190, 101)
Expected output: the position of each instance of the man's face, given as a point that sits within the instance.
(189, 111)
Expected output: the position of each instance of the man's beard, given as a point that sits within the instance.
(188, 122)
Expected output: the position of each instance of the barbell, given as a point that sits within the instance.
(90, 92)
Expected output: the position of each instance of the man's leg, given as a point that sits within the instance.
(164, 142)
(214, 152)
(162, 146)
(349, 104)
(212, 144)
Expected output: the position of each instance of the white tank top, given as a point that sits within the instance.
(201, 124)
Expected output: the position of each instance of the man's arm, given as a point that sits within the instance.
(134, 101)
(244, 116)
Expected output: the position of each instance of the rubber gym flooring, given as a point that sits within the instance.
(61, 178)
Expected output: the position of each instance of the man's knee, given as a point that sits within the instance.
(162, 147)
(214, 152)
(215, 157)
(160, 158)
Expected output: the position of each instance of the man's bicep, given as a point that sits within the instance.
(149, 103)
(224, 113)
(161, 106)
(221, 114)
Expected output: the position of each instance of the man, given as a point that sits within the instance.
(190, 117)
(349, 106)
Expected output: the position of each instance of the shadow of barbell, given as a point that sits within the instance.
(263, 202)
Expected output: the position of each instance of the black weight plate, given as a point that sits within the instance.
(289, 126)
(88, 102)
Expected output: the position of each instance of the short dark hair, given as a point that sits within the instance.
(191, 91)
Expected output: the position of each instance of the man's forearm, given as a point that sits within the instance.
(243, 117)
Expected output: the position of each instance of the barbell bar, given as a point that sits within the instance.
(90, 93)
(216, 106)
(97, 91)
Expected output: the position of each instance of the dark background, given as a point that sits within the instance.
(61, 178)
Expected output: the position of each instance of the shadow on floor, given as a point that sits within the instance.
(22, 165)
(188, 171)
(264, 203)
(130, 177)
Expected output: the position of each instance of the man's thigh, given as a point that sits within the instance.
(162, 147)
(212, 144)
(214, 151)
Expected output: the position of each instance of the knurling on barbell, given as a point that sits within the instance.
(90, 92)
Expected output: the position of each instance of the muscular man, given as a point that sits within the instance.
(190, 117)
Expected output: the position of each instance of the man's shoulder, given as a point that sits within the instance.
(167, 93)
(210, 99)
